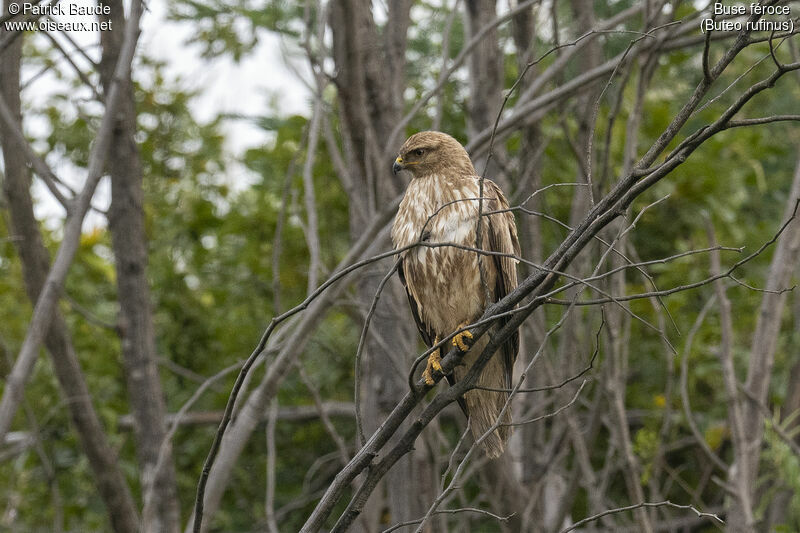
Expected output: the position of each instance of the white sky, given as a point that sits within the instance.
(226, 87)
(223, 87)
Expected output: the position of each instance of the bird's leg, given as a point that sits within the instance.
(434, 363)
(463, 340)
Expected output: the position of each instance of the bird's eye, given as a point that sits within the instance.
(418, 152)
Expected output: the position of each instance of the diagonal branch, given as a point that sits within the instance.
(667, 503)
(606, 210)
(23, 366)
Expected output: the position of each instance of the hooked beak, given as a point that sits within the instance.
(398, 165)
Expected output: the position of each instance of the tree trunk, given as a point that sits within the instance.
(762, 355)
(126, 222)
(370, 80)
(530, 437)
(485, 83)
(790, 407)
(36, 262)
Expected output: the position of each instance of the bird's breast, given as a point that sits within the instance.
(441, 274)
(435, 210)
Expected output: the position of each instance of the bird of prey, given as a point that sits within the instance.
(443, 283)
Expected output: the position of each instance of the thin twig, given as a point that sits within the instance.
(451, 511)
(667, 503)
(360, 349)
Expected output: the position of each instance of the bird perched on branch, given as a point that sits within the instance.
(444, 283)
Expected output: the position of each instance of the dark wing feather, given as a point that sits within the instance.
(425, 331)
(503, 238)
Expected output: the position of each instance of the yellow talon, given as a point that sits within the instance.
(458, 340)
(434, 363)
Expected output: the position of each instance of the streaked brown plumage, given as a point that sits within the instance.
(444, 283)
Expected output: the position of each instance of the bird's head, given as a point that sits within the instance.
(433, 152)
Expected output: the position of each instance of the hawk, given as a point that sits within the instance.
(444, 283)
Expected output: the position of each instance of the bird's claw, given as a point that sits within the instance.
(434, 364)
(463, 340)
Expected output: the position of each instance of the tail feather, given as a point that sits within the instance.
(484, 406)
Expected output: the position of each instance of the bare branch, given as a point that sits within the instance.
(554, 413)
(687, 409)
(450, 511)
(592, 518)
(344, 456)
(82, 75)
(283, 360)
(606, 210)
(773, 422)
(312, 226)
(164, 450)
(48, 298)
(360, 350)
(286, 413)
(269, 503)
(730, 380)
(37, 163)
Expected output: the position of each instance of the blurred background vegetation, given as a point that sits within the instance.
(212, 219)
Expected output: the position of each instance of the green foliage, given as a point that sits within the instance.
(212, 220)
(784, 464)
(230, 27)
(645, 445)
